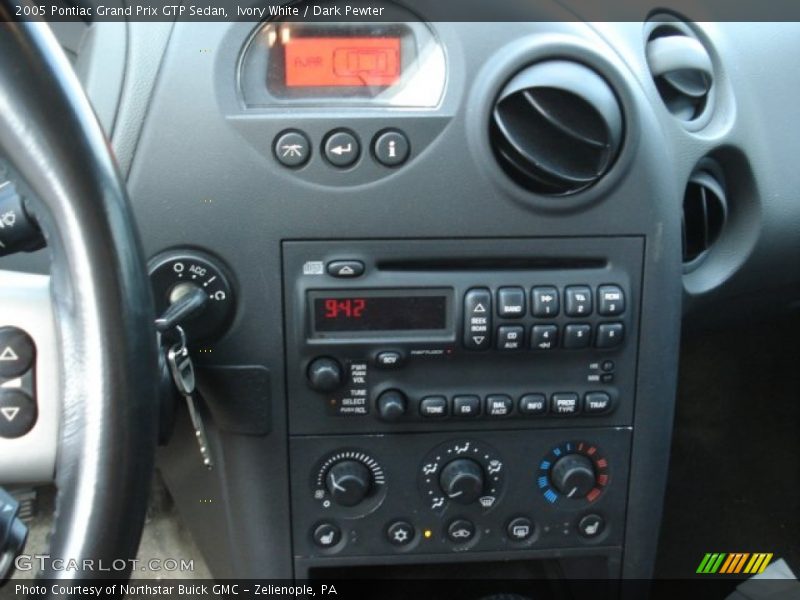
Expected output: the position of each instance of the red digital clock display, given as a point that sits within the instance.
(379, 313)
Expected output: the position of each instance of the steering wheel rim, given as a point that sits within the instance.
(101, 298)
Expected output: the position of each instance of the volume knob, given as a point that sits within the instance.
(348, 482)
(325, 374)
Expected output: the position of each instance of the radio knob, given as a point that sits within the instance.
(462, 480)
(573, 475)
(325, 374)
(348, 482)
(392, 405)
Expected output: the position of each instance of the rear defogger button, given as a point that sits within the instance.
(478, 319)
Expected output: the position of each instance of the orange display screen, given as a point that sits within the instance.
(342, 61)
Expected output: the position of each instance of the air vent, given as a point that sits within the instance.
(556, 128)
(704, 213)
(681, 68)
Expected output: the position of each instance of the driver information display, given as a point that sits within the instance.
(342, 61)
(379, 313)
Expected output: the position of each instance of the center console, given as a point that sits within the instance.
(469, 396)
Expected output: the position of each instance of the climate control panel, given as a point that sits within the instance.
(495, 491)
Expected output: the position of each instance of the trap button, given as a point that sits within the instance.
(391, 148)
(292, 149)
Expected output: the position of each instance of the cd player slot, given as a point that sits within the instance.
(528, 263)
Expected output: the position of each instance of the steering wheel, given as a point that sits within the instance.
(106, 358)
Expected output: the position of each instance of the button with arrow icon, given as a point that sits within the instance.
(17, 413)
(341, 148)
(16, 352)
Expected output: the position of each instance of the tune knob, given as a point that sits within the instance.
(462, 480)
(325, 374)
(348, 482)
(573, 476)
(392, 405)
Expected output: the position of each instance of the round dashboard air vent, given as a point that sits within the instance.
(704, 213)
(681, 68)
(557, 127)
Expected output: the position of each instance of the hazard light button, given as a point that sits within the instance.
(16, 352)
(17, 413)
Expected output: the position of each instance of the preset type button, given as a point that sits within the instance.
(477, 319)
(565, 403)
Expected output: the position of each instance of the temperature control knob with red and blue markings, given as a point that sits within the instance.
(573, 471)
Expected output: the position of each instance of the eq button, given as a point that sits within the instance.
(477, 319)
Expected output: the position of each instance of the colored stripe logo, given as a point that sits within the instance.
(734, 563)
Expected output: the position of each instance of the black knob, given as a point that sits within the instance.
(348, 482)
(392, 405)
(573, 476)
(325, 374)
(462, 480)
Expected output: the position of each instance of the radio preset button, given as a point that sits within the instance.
(578, 301)
(544, 337)
(609, 335)
(433, 407)
(533, 404)
(576, 335)
(477, 319)
(511, 302)
(499, 405)
(466, 406)
(345, 268)
(565, 403)
(544, 301)
(389, 359)
(610, 300)
(510, 337)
